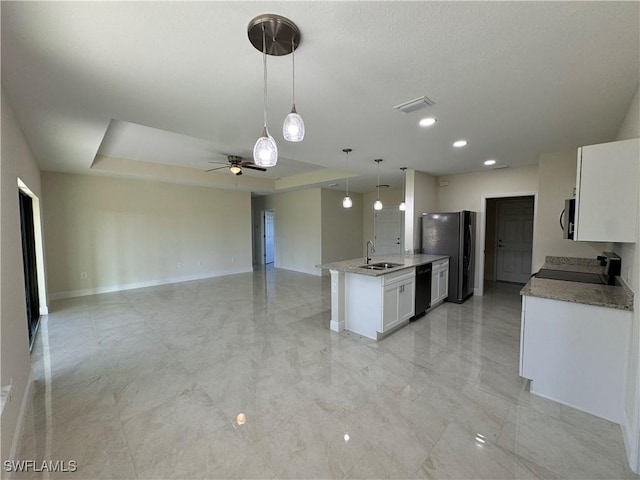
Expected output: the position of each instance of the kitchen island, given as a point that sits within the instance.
(370, 301)
(574, 339)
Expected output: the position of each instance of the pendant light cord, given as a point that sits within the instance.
(378, 186)
(293, 58)
(347, 172)
(264, 63)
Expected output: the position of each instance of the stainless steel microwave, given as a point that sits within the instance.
(568, 219)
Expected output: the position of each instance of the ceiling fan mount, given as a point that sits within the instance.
(235, 165)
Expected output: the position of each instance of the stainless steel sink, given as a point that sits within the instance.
(386, 265)
(371, 267)
(381, 266)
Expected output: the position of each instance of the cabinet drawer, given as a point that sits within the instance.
(399, 276)
(440, 264)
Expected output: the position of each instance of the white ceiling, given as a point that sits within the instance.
(180, 83)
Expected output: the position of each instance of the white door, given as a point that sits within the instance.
(515, 240)
(269, 246)
(388, 231)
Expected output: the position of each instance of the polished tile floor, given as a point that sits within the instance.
(149, 384)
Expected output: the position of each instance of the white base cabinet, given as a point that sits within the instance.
(377, 305)
(576, 354)
(439, 282)
(607, 192)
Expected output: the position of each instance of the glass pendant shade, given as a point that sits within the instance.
(265, 151)
(377, 205)
(347, 202)
(235, 169)
(402, 206)
(293, 127)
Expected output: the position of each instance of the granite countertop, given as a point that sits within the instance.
(611, 296)
(408, 261)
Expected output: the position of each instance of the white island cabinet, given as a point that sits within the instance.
(379, 304)
(606, 192)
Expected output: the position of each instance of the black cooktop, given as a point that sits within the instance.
(581, 277)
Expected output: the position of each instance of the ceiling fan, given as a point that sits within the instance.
(236, 165)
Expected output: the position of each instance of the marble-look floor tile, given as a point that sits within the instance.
(462, 454)
(572, 452)
(149, 383)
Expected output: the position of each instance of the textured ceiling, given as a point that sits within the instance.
(515, 79)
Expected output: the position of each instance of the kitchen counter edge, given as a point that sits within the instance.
(408, 261)
(609, 296)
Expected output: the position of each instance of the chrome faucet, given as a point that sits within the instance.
(367, 259)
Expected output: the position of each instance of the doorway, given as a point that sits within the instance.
(32, 296)
(509, 239)
(268, 236)
(388, 229)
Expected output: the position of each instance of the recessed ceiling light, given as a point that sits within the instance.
(460, 143)
(489, 162)
(427, 122)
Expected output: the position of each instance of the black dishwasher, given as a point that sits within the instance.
(423, 290)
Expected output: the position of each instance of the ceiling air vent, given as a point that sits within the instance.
(415, 104)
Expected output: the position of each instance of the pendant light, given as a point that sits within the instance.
(265, 151)
(346, 201)
(377, 205)
(403, 206)
(271, 35)
(293, 126)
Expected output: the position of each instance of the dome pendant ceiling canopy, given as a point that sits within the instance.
(282, 36)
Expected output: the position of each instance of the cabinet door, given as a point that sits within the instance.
(443, 283)
(435, 286)
(406, 300)
(606, 192)
(390, 306)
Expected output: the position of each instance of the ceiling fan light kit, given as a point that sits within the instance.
(275, 35)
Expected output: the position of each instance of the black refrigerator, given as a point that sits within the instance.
(453, 234)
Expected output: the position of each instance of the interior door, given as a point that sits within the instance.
(269, 241)
(515, 240)
(388, 231)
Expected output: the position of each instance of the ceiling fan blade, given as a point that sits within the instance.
(253, 166)
(219, 168)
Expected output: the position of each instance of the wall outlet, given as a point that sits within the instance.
(200, 263)
(83, 274)
(233, 259)
(179, 265)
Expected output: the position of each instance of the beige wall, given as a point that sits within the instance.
(556, 182)
(298, 236)
(389, 198)
(341, 227)
(17, 161)
(422, 197)
(127, 233)
(467, 192)
(630, 128)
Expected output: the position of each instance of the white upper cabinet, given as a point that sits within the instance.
(607, 192)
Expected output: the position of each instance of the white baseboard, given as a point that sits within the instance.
(17, 433)
(44, 310)
(150, 283)
(477, 291)
(336, 326)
